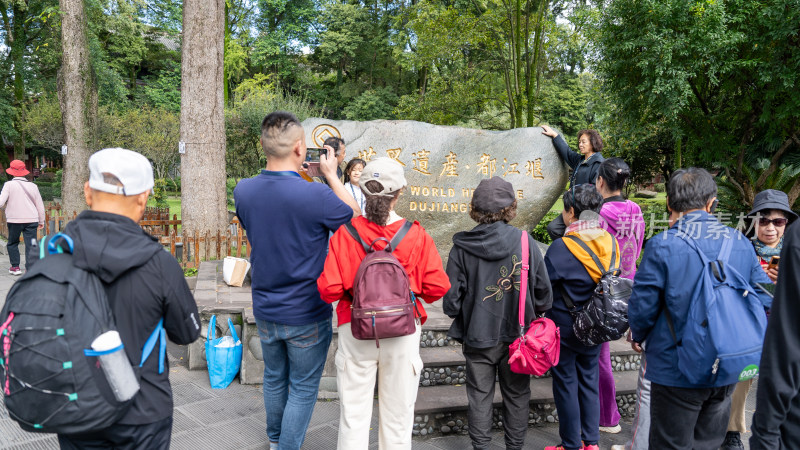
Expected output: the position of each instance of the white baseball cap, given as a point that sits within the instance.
(132, 169)
(387, 172)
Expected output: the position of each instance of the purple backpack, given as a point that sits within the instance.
(383, 304)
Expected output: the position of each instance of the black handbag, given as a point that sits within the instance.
(604, 317)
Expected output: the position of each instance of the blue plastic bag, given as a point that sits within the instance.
(223, 361)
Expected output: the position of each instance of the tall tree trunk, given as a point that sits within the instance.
(533, 62)
(203, 193)
(226, 75)
(519, 75)
(17, 54)
(77, 95)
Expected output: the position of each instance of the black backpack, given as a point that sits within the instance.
(604, 317)
(52, 314)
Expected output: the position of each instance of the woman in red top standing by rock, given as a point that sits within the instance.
(358, 361)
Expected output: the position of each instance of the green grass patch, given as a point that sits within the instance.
(174, 204)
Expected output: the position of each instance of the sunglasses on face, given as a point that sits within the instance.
(779, 222)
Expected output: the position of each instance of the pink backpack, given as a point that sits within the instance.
(383, 304)
(534, 352)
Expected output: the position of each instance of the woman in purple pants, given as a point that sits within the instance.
(623, 219)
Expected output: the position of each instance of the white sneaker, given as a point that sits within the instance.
(617, 447)
(611, 430)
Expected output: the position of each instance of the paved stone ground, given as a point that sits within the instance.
(234, 418)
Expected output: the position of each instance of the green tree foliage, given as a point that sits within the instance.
(160, 193)
(721, 75)
(497, 44)
(43, 123)
(153, 132)
(28, 37)
(284, 28)
(372, 104)
(164, 89)
(455, 84)
(254, 99)
(165, 15)
(667, 82)
(564, 100)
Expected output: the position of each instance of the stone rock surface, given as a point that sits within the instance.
(443, 165)
(645, 194)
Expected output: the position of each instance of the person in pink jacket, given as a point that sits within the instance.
(24, 211)
(622, 218)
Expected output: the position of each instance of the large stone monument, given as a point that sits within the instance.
(443, 166)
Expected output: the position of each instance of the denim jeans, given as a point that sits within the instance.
(294, 357)
(28, 232)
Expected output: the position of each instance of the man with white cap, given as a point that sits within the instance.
(24, 212)
(144, 284)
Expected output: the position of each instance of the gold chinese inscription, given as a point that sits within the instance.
(533, 169)
(487, 165)
(512, 168)
(322, 132)
(421, 161)
(394, 153)
(367, 155)
(450, 166)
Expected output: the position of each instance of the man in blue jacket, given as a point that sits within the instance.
(684, 415)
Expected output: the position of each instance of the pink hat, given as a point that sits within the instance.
(17, 168)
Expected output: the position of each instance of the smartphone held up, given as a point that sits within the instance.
(311, 163)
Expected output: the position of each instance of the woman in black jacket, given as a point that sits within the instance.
(584, 166)
(484, 268)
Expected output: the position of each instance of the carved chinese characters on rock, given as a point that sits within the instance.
(443, 166)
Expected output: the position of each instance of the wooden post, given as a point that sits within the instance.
(196, 249)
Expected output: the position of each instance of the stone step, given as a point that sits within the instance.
(451, 355)
(442, 409)
(445, 365)
(438, 352)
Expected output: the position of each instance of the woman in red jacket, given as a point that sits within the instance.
(358, 361)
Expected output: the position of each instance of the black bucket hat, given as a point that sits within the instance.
(492, 195)
(773, 199)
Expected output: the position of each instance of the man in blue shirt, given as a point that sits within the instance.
(684, 415)
(288, 221)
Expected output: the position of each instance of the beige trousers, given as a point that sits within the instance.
(397, 367)
(737, 421)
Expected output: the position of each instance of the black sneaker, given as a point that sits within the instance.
(732, 441)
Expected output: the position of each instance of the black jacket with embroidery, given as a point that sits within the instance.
(484, 268)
